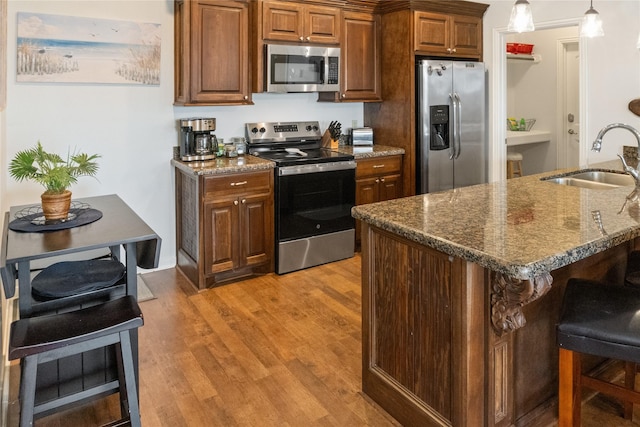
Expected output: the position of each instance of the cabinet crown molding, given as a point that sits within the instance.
(441, 6)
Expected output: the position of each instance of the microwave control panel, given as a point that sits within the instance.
(332, 78)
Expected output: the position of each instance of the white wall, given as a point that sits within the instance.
(613, 71)
(134, 128)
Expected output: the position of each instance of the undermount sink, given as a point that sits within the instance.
(594, 179)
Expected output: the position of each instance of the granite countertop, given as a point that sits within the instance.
(224, 165)
(521, 227)
(247, 163)
(364, 152)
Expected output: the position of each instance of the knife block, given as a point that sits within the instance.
(327, 142)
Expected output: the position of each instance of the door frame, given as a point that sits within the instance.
(498, 134)
(561, 101)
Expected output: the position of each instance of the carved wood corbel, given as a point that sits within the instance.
(509, 295)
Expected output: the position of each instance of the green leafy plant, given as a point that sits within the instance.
(50, 170)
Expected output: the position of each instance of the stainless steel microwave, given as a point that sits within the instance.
(301, 68)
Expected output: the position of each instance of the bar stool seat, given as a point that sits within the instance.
(599, 320)
(40, 339)
(514, 164)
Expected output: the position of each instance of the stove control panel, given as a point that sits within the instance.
(264, 132)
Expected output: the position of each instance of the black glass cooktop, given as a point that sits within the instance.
(284, 157)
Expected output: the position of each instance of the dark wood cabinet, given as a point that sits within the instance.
(377, 179)
(224, 226)
(298, 22)
(449, 35)
(360, 60)
(212, 60)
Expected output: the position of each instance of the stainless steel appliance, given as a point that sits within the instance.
(299, 68)
(314, 194)
(197, 142)
(451, 136)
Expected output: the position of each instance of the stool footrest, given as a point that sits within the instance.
(76, 397)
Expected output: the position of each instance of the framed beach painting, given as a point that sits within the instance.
(71, 49)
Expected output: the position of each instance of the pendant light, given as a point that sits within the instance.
(521, 19)
(591, 25)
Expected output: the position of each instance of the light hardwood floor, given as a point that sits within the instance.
(267, 351)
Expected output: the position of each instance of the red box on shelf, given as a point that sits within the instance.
(520, 48)
(525, 48)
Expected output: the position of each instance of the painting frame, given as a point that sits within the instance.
(85, 50)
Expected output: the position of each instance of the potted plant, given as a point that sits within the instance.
(55, 174)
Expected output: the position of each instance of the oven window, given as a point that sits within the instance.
(299, 69)
(313, 204)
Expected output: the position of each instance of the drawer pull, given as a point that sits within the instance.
(378, 166)
(235, 202)
(235, 184)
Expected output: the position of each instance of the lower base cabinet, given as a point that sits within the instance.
(377, 179)
(224, 226)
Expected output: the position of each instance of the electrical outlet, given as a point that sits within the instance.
(354, 124)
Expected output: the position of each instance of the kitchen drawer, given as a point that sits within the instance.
(378, 166)
(253, 182)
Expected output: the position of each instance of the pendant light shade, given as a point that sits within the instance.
(521, 19)
(591, 25)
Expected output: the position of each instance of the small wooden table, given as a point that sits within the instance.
(119, 227)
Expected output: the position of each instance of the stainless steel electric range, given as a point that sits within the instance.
(314, 194)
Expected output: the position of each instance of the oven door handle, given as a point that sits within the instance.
(316, 168)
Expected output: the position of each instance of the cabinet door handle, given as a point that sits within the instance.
(381, 179)
(378, 166)
(301, 38)
(235, 202)
(235, 184)
(244, 201)
(344, 95)
(308, 38)
(453, 50)
(377, 180)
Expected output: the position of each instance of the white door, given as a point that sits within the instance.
(569, 138)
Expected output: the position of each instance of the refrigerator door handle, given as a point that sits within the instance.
(457, 117)
(452, 147)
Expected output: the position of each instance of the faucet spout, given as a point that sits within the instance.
(597, 144)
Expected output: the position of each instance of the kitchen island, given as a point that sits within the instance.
(462, 290)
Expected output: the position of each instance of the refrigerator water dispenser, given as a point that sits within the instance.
(439, 127)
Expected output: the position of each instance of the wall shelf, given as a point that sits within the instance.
(527, 137)
(522, 57)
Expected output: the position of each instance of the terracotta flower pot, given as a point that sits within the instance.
(56, 206)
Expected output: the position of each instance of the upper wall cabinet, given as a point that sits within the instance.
(448, 35)
(360, 60)
(300, 23)
(212, 61)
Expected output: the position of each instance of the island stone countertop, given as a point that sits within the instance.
(521, 227)
(247, 163)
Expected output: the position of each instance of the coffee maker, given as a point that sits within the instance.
(197, 142)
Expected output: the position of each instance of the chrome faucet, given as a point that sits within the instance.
(597, 145)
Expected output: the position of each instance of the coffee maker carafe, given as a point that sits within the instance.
(197, 142)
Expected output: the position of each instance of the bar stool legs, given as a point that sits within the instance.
(514, 165)
(42, 339)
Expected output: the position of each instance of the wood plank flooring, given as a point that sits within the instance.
(268, 351)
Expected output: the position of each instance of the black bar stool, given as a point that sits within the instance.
(44, 338)
(599, 320)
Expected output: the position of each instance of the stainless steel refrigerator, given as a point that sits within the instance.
(451, 136)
